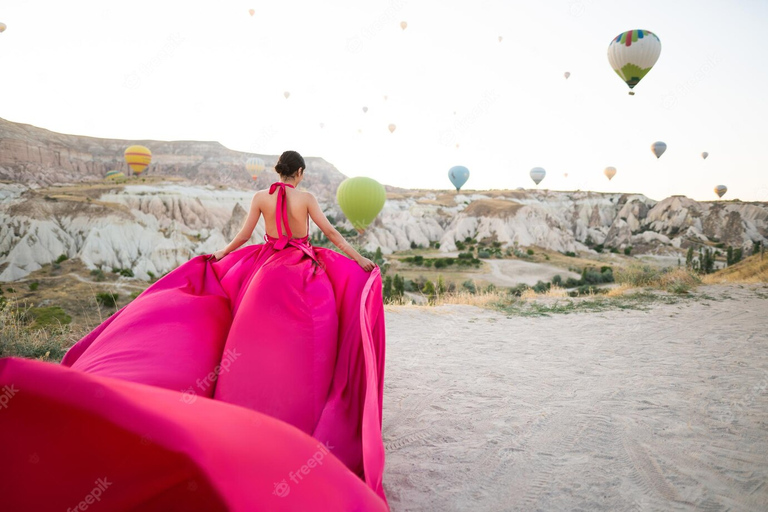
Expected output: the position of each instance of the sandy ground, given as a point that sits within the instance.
(665, 409)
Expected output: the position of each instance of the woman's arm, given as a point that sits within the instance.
(319, 218)
(254, 213)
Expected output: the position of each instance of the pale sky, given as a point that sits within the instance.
(205, 70)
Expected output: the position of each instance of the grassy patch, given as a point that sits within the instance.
(636, 301)
(34, 333)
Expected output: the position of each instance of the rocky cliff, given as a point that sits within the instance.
(53, 201)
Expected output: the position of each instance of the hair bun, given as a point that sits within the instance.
(282, 168)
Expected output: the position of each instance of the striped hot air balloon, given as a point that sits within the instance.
(632, 54)
(254, 166)
(113, 175)
(138, 158)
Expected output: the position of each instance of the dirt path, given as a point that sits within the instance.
(665, 409)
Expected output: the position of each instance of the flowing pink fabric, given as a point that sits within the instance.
(212, 390)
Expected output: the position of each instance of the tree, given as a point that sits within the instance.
(689, 258)
(429, 291)
(737, 254)
(387, 288)
(729, 256)
(440, 285)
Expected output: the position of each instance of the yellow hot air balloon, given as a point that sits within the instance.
(392, 128)
(720, 190)
(609, 172)
(403, 25)
(3, 26)
(361, 199)
(251, 12)
(254, 166)
(114, 175)
(138, 158)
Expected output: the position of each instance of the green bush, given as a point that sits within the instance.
(460, 245)
(614, 250)
(529, 252)
(598, 248)
(98, 274)
(469, 286)
(482, 253)
(47, 317)
(33, 286)
(628, 250)
(571, 282)
(107, 299)
(541, 287)
(557, 280)
(570, 254)
(62, 257)
(638, 275)
(440, 263)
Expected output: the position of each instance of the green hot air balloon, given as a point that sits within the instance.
(361, 199)
(632, 54)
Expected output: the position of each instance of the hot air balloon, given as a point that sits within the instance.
(632, 54)
(361, 199)
(720, 190)
(567, 74)
(565, 175)
(322, 125)
(287, 94)
(658, 148)
(138, 158)
(365, 110)
(458, 176)
(537, 174)
(500, 38)
(114, 175)
(403, 25)
(251, 12)
(392, 128)
(609, 172)
(254, 166)
(704, 155)
(3, 26)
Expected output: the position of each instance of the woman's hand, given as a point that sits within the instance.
(367, 264)
(218, 254)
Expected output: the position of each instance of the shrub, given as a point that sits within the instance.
(151, 275)
(628, 250)
(98, 274)
(482, 253)
(440, 263)
(465, 256)
(107, 299)
(570, 254)
(557, 280)
(469, 286)
(598, 248)
(614, 250)
(571, 282)
(62, 257)
(638, 275)
(529, 252)
(33, 286)
(460, 245)
(413, 245)
(541, 287)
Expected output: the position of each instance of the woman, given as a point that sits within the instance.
(248, 379)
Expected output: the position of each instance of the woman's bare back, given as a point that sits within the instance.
(298, 211)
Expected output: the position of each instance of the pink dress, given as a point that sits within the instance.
(250, 383)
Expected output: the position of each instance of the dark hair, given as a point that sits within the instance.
(289, 164)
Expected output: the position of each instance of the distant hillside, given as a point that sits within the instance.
(38, 158)
(54, 201)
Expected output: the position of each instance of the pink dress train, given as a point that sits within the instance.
(249, 383)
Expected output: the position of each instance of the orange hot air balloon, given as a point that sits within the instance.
(138, 158)
(403, 25)
(392, 128)
(251, 12)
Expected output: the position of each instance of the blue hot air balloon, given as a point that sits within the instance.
(458, 176)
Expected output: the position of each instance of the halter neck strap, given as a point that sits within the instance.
(281, 211)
